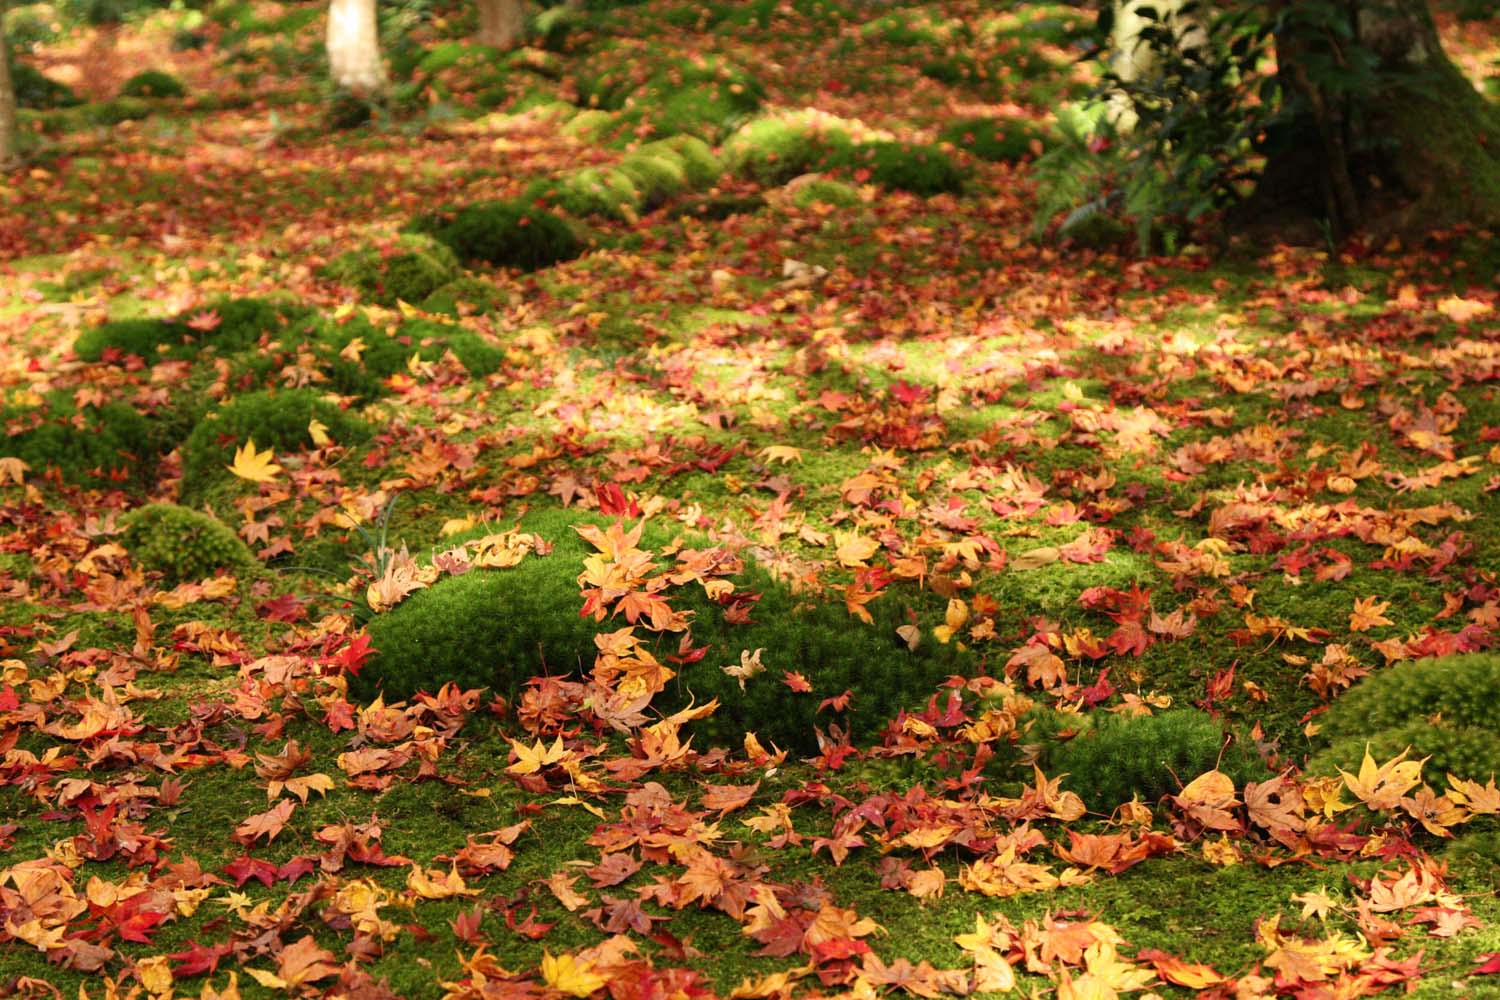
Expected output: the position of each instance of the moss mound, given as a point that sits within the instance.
(153, 83)
(592, 191)
(664, 95)
(1464, 690)
(656, 177)
(774, 149)
(1115, 758)
(361, 369)
(1465, 751)
(109, 446)
(922, 170)
(276, 419)
(499, 628)
(824, 191)
(999, 140)
(182, 544)
(38, 91)
(465, 293)
(410, 270)
(700, 165)
(236, 324)
(503, 233)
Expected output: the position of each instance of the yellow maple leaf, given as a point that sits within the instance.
(782, 453)
(569, 975)
(318, 431)
(1368, 613)
(1381, 786)
(853, 548)
(533, 758)
(256, 466)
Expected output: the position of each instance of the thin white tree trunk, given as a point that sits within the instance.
(8, 153)
(354, 47)
(501, 22)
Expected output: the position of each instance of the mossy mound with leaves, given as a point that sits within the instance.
(410, 270)
(662, 94)
(1112, 758)
(37, 91)
(183, 544)
(109, 446)
(228, 326)
(502, 233)
(153, 83)
(774, 149)
(278, 419)
(922, 170)
(648, 176)
(499, 628)
(1447, 709)
(362, 369)
(817, 191)
(999, 140)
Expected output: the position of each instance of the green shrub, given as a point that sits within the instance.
(499, 628)
(153, 83)
(823, 191)
(1000, 140)
(1466, 751)
(241, 324)
(408, 271)
(276, 419)
(1149, 756)
(105, 446)
(775, 149)
(504, 233)
(182, 544)
(1464, 690)
(39, 92)
(922, 170)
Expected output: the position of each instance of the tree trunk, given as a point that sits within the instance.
(501, 22)
(1419, 153)
(354, 47)
(9, 156)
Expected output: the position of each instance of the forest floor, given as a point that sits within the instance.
(1081, 489)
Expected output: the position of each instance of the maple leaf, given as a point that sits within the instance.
(781, 453)
(1368, 613)
(570, 975)
(532, 759)
(1208, 799)
(1381, 786)
(298, 964)
(749, 666)
(853, 549)
(13, 470)
(256, 466)
(267, 824)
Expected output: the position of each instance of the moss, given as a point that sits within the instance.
(39, 92)
(701, 167)
(592, 191)
(1462, 690)
(656, 177)
(181, 543)
(153, 83)
(718, 206)
(775, 149)
(1451, 748)
(504, 233)
(500, 628)
(920, 169)
(469, 291)
(240, 324)
(1001, 140)
(664, 94)
(273, 419)
(411, 269)
(825, 191)
(113, 112)
(102, 446)
(1115, 758)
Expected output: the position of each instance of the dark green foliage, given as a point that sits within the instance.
(1149, 756)
(1001, 140)
(348, 111)
(922, 170)
(504, 233)
(409, 271)
(36, 90)
(1464, 690)
(113, 112)
(501, 627)
(276, 419)
(241, 325)
(181, 543)
(153, 83)
(105, 446)
(145, 338)
(773, 150)
(1462, 750)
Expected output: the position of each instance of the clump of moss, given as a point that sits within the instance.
(1114, 758)
(774, 149)
(592, 191)
(409, 270)
(1000, 140)
(1463, 690)
(115, 111)
(656, 177)
(181, 543)
(362, 369)
(109, 446)
(906, 28)
(700, 165)
(468, 292)
(667, 95)
(500, 628)
(824, 191)
(153, 83)
(1466, 751)
(718, 206)
(38, 91)
(920, 169)
(503, 233)
(235, 324)
(144, 338)
(276, 419)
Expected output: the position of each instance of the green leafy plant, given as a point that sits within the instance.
(504, 233)
(181, 543)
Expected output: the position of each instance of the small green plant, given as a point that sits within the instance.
(503, 233)
(182, 544)
(277, 419)
(1000, 140)
(1114, 758)
(499, 628)
(922, 170)
(409, 270)
(153, 83)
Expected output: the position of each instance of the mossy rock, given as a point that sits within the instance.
(499, 628)
(1114, 758)
(999, 140)
(824, 191)
(153, 83)
(922, 170)
(1462, 690)
(411, 269)
(241, 324)
(183, 544)
(38, 91)
(503, 233)
(276, 419)
(775, 149)
(109, 446)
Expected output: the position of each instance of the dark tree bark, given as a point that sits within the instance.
(1420, 152)
(8, 152)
